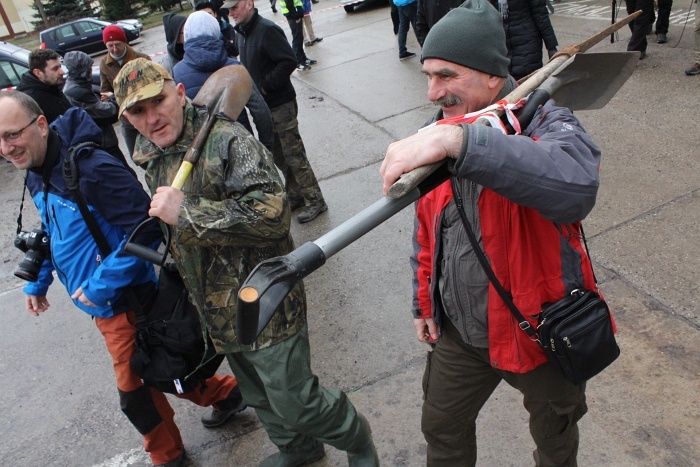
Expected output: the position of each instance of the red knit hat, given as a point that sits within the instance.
(113, 33)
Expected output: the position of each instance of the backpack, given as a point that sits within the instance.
(171, 352)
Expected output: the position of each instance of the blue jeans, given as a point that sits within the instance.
(407, 14)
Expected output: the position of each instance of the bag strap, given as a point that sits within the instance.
(523, 323)
(71, 175)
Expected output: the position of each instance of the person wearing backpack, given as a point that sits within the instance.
(95, 283)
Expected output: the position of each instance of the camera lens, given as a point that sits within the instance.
(30, 266)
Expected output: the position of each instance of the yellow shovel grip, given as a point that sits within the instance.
(182, 174)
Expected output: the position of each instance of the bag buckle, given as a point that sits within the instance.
(524, 325)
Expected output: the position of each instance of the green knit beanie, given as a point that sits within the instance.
(472, 36)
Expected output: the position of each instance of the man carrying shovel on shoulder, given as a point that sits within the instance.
(524, 197)
(230, 214)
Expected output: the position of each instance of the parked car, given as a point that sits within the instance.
(134, 23)
(349, 5)
(14, 62)
(84, 35)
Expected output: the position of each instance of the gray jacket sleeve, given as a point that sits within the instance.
(553, 170)
(261, 117)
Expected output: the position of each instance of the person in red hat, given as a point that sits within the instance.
(119, 53)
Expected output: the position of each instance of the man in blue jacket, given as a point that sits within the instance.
(96, 284)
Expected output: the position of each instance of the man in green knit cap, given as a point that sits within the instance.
(523, 197)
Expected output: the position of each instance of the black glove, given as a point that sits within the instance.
(551, 52)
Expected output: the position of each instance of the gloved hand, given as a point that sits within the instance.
(300, 12)
(551, 52)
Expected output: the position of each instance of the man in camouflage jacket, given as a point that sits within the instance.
(231, 214)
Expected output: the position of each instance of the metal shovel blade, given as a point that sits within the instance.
(589, 81)
(225, 92)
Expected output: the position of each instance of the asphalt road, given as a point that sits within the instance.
(58, 402)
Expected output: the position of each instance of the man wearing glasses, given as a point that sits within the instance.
(95, 283)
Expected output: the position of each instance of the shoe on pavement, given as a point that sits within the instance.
(643, 55)
(309, 43)
(288, 459)
(228, 407)
(311, 61)
(661, 38)
(315, 1)
(309, 213)
(693, 70)
(303, 67)
(406, 55)
(177, 462)
(318, 39)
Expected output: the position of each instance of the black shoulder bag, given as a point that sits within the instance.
(171, 353)
(575, 332)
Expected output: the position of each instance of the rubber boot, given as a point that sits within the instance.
(363, 453)
(296, 459)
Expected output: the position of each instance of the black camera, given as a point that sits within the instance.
(36, 246)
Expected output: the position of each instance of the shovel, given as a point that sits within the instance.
(224, 94)
(576, 80)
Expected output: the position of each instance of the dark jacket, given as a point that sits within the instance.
(429, 13)
(78, 90)
(172, 24)
(269, 59)
(51, 99)
(118, 203)
(205, 55)
(527, 25)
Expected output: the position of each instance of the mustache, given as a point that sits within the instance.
(448, 101)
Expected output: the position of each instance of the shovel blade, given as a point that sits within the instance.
(226, 92)
(589, 81)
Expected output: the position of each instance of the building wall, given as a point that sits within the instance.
(20, 13)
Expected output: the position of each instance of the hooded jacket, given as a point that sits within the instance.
(50, 98)
(203, 56)
(269, 59)
(173, 24)
(78, 90)
(117, 201)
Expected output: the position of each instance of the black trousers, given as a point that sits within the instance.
(297, 39)
(663, 16)
(639, 26)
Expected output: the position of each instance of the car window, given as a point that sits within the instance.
(65, 32)
(86, 27)
(10, 74)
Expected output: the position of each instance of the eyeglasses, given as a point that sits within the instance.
(11, 138)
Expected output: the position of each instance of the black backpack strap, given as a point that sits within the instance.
(523, 323)
(71, 175)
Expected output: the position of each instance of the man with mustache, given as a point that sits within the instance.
(524, 197)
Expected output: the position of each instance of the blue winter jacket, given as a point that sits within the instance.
(203, 56)
(117, 201)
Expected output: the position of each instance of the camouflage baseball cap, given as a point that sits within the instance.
(138, 80)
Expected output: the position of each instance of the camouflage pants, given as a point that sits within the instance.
(290, 157)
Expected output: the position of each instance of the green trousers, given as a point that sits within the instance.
(293, 408)
(458, 381)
